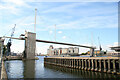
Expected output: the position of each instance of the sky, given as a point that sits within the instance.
(78, 22)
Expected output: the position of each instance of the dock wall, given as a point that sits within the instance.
(100, 64)
(3, 72)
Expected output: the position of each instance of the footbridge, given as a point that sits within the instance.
(30, 44)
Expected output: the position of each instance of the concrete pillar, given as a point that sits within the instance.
(85, 64)
(74, 63)
(96, 65)
(109, 68)
(82, 63)
(89, 68)
(105, 70)
(30, 45)
(100, 64)
(119, 66)
(92, 64)
(114, 66)
(60, 62)
(70, 63)
(77, 63)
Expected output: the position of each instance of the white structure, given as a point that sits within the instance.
(71, 51)
(116, 51)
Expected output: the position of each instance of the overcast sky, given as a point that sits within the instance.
(79, 22)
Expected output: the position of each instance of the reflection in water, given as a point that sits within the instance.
(14, 68)
(29, 69)
(81, 73)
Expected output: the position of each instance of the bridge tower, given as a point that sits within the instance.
(30, 45)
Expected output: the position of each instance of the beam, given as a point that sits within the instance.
(44, 41)
(14, 38)
(64, 43)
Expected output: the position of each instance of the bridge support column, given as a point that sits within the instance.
(30, 45)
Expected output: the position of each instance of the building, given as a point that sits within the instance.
(115, 52)
(97, 53)
(71, 51)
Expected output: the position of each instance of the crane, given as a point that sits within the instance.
(10, 41)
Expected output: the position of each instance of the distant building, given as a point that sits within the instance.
(71, 51)
(116, 51)
(97, 53)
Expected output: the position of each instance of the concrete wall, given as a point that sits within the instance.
(3, 72)
(30, 45)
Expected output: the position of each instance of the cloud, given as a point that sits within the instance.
(17, 2)
(59, 32)
(64, 37)
(50, 32)
(28, 24)
(64, 8)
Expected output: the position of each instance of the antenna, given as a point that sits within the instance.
(35, 19)
(55, 32)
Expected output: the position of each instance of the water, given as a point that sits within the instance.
(37, 69)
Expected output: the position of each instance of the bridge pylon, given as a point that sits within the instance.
(30, 45)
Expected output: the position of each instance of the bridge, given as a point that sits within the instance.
(30, 44)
